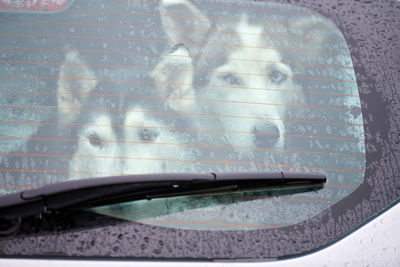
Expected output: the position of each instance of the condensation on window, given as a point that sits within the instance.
(110, 88)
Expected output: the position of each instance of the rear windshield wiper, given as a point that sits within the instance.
(94, 192)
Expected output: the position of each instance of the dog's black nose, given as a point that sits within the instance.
(148, 135)
(266, 134)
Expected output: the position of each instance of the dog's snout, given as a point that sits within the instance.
(267, 135)
(148, 134)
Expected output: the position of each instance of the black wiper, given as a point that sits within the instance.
(94, 192)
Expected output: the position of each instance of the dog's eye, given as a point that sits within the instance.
(180, 47)
(95, 140)
(148, 135)
(230, 79)
(278, 77)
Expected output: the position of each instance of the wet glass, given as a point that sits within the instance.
(132, 87)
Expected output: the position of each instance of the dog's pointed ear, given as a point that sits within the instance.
(76, 79)
(318, 35)
(173, 77)
(184, 24)
(319, 42)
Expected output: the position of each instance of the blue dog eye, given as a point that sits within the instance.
(277, 77)
(177, 47)
(231, 79)
(95, 140)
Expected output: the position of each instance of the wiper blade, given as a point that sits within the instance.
(94, 192)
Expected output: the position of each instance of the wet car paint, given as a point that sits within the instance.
(374, 244)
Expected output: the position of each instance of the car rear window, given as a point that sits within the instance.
(107, 88)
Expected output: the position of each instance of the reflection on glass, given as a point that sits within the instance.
(233, 210)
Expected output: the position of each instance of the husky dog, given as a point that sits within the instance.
(105, 129)
(228, 69)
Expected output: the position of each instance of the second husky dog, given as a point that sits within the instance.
(101, 128)
(236, 70)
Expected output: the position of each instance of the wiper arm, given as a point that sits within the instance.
(103, 191)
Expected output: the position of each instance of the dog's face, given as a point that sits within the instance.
(251, 88)
(135, 142)
(232, 72)
(109, 128)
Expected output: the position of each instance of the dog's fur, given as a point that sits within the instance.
(231, 71)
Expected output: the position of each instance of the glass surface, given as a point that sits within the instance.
(34, 6)
(130, 87)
